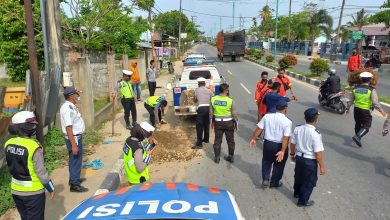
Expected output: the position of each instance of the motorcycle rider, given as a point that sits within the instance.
(331, 84)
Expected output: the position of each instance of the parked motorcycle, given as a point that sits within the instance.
(337, 102)
(170, 67)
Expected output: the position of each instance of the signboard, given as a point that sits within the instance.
(183, 35)
(357, 35)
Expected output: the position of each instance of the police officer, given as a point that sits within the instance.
(202, 97)
(306, 150)
(277, 129)
(155, 105)
(136, 157)
(73, 127)
(365, 98)
(24, 157)
(128, 102)
(223, 117)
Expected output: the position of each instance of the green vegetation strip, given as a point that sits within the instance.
(55, 156)
(9, 83)
(98, 104)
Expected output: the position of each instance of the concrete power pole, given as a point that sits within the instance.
(234, 8)
(180, 27)
(33, 65)
(338, 28)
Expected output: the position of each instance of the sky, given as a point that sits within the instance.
(201, 10)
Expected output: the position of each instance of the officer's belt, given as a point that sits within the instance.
(203, 105)
(307, 156)
(75, 135)
(223, 119)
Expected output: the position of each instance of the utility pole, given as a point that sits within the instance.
(180, 27)
(289, 22)
(276, 29)
(341, 16)
(220, 23)
(33, 65)
(234, 7)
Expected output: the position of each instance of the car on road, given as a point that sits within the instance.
(185, 85)
(160, 201)
(194, 57)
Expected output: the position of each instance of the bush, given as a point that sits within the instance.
(251, 51)
(258, 54)
(288, 61)
(269, 58)
(5, 191)
(54, 149)
(318, 66)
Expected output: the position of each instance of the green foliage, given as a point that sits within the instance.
(318, 66)
(54, 149)
(91, 137)
(267, 25)
(382, 16)
(103, 25)
(251, 51)
(144, 4)
(13, 38)
(258, 54)
(5, 191)
(168, 23)
(288, 61)
(385, 99)
(10, 83)
(269, 58)
(298, 30)
(98, 104)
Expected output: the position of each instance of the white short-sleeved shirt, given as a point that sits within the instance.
(70, 115)
(275, 126)
(308, 140)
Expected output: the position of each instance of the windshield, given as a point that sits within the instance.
(201, 73)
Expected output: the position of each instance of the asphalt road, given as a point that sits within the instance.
(355, 186)
(383, 86)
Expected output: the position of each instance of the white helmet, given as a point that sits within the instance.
(366, 75)
(332, 71)
(24, 117)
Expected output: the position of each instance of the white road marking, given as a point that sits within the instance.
(246, 89)
(230, 72)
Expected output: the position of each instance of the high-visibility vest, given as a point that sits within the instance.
(131, 170)
(362, 96)
(19, 153)
(222, 106)
(152, 101)
(126, 90)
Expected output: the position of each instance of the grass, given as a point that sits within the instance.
(55, 155)
(9, 83)
(385, 99)
(98, 104)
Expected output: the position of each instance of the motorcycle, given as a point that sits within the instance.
(170, 67)
(337, 101)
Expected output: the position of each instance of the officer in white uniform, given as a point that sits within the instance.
(277, 130)
(306, 151)
(73, 127)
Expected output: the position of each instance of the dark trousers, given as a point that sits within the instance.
(202, 125)
(129, 105)
(227, 128)
(269, 161)
(305, 178)
(152, 117)
(152, 88)
(75, 161)
(30, 207)
(363, 119)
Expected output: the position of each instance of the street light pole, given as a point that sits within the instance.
(276, 29)
(180, 27)
(234, 8)
(33, 65)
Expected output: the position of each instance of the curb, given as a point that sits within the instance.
(308, 80)
(114, 177)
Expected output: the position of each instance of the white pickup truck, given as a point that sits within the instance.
(184, 87)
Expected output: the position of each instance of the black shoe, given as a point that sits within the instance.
(229, 159)
(82, 179)
(78, 188)
(279, 184)
(216, 159)
(204, 141)
(357, 141)
(309, 203)
(265, 184)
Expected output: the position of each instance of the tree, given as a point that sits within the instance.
(299, 31)
(13, 38)
(359, 20)
(145, 5)
(382, 16)
(102, 25)
(168, 22)
(267, 23)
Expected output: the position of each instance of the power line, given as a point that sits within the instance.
(213, 15)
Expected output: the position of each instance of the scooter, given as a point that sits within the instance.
(337, 101)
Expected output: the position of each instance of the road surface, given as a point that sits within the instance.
(355, 186)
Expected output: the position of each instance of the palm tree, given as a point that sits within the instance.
(266, 19)
(359, 20)
(319, 22)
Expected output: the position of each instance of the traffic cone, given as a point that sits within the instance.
(211, 85)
